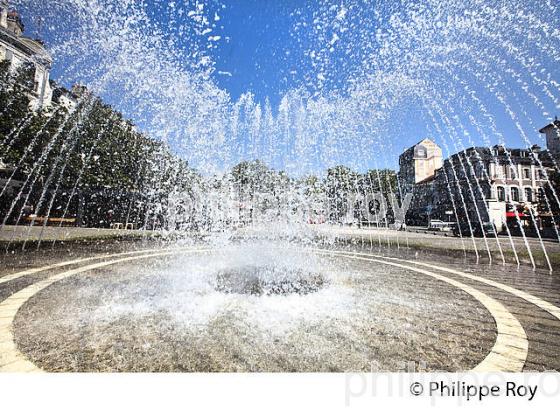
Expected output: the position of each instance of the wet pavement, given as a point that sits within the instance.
(377, 317)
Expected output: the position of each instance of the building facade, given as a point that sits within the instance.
(552, 134)
(18, 50)
(420, 162)
(500, 185)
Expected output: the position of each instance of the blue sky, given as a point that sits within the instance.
(255, 53)
(260, 51)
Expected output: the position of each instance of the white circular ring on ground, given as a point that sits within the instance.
(21, 274)
(508, 353)
(542, 304)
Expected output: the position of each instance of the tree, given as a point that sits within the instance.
(87, 160)
(383, 180)
(340, 184)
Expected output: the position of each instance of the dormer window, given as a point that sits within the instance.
(421, 152)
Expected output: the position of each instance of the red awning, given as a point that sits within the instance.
(520, 215)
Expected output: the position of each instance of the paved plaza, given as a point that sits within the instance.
(432, 310)
(498, 249)
(20, 234)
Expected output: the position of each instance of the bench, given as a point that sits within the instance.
(40, 220)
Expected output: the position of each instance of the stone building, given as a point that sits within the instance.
(419, 162)
(484, 184)
(498, 185)
(418, 166)
(18, 49)
(552, 133)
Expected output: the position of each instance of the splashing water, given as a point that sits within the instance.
(163, 138)
(464, 73)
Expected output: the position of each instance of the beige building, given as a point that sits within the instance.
(18, 49)
(501, 185)
(420, 162)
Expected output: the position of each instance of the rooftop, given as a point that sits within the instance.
(554, 124)
(408, 150)
(29, 46)
(503, 154)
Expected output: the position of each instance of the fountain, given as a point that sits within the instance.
(247, 307)
(246, 231)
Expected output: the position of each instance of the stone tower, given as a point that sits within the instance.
(552, 133)
(420, 162)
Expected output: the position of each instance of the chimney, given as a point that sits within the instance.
(4, 8)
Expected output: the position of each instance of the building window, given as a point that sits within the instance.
(421, 152)
(501, 194)
(514, 194)
(541, 174)
(528, 195)
(527, 173)
(504, 172)
(480, 170)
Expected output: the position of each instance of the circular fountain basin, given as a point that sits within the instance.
(251, 308)
(269, 280)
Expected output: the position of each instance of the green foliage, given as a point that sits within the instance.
(341, 183)
(383, 180)
(84, 151)
(255, 176)
(93, 140)
(95, 163)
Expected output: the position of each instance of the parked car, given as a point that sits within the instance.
(436, 225)
(463, 229)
